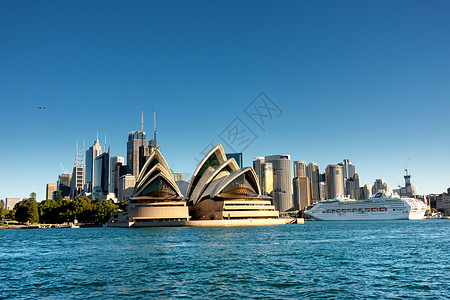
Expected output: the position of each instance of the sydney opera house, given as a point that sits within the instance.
(219, 193)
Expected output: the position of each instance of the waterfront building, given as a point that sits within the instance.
(302, 192)
(91, 154)
(443, 204)
(11, 202)
(264, 172)
(299, 168)
(125, 189)
(237, 157)
(101, 180)
(335, 181)
(50, 190)
(64, 181)
(380, 185)
(312, 172)
(136, 147)
(220, 190)
(116, 170)
(282, 195)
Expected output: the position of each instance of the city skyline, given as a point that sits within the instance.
(363, 85)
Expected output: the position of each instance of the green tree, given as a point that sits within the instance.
(2, 210)
(123, 205)
(27, 210)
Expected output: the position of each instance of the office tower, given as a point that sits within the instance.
(64, 184)
(258, 166)
(78, 174)
(380, 185)
(282, 195)
(91, 154)
(101, 175)
(348, 169)
(237, 157)
(136, 140)
(126, 187)
(335, 181)
(116, 162)
(299, 168)
(267, 179)
(77, 181)
(264, 172)
(352, 187)
(322, 190)
(302, 192)
(365, 191)
(312, 172)
(178, 177)
(351, 179)
(11, 202)
(51, 188)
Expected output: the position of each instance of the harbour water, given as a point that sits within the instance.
(351, 260)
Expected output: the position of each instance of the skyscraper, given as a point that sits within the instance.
(282, 195)
(116, 165)
(101, 174)
(77, 181)
(366, 191)
(352, 187)
(91, 154)
(264, 172)
(64, 184)
(380, 185)
(312, 172)
(323, 190)
(351, 179)
(136, 140)
(302, 192)
(348, 168)
(299, 168)
(335, 181)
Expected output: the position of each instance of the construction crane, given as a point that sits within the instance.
(64, 170)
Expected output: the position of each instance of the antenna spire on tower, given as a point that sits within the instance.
(154, 123)
(142, 120)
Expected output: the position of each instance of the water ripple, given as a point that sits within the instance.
(332, 260)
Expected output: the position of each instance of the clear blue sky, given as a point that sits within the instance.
(364, 80)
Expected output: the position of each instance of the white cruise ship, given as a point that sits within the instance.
(379, 207)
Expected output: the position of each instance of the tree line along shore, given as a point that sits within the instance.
(59, 211)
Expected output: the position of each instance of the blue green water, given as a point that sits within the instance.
(352, 260)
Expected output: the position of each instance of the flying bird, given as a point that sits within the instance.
(42, 107)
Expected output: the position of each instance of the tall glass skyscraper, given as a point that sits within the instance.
(102, 173)
(136, 140)
(91, 154)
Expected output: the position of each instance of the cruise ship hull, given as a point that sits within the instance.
(384, 209)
